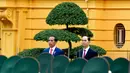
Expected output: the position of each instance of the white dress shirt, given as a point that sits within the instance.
(86, 50)
(53, 49)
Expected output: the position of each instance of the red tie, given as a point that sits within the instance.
(51, 50)
(84, 53)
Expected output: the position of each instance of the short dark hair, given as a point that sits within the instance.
(55, 38)
(89, 39)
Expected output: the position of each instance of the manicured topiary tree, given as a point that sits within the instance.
(66, 13)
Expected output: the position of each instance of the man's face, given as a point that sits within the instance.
(51, 42)
(85, 41)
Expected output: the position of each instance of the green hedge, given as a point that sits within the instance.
(34, 52)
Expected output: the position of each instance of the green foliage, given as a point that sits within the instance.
(67, 13)
(81, 31)
(61, 35)
(34, 52)
(98, 49)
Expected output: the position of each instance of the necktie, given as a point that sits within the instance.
(84, 53)
(51, 51)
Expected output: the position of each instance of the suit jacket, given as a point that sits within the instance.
(90, 54)
(56, 52)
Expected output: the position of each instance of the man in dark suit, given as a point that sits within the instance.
(52, 47)
(86, 52)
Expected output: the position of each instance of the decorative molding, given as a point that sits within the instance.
(9, 13)
(6, 14)
(9, 29)
(8, 33)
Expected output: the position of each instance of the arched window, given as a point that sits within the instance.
(119, 35)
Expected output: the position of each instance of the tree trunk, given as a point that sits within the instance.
(70, 44)
(69, 49)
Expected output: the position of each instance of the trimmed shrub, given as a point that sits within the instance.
(34, 52)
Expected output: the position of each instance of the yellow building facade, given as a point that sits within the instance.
(20, 20)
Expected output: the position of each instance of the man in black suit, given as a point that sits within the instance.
(86, 52)
(52, 47)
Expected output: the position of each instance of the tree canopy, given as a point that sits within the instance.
(81, 31)
(60, 35)
(67, 13)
